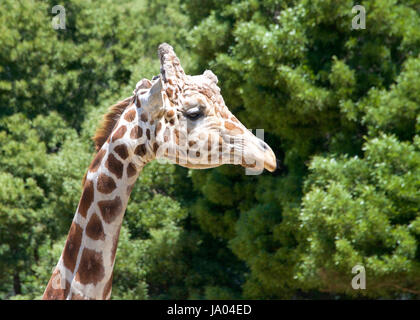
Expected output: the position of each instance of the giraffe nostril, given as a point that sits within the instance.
(263, 145)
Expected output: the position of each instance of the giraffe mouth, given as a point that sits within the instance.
(266, 161)
(270, 160)
(249, 152)
(258, 155)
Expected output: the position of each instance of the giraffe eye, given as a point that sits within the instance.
(194, 113)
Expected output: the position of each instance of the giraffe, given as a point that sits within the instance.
(173, 116)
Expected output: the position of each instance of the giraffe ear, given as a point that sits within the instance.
(152, 101)
(143, 84)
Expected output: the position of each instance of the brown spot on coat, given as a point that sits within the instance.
(209, 143)
(148, 133)
(108, 288)
(136, 132)
(122, 151)
(97, 161)
(95, 229)
(157, 128)
(140, 150)
(155, 147)
(55, 290)
(176, 136)
(169, 92)
(231, 126)
(131, 170)
(91, 268)
(130, 115)
(105, 184)
(144, 117)
(72, 246)
(86, 199)
(248, 165)
(110, 209)
(114, 165)
(119, 133)
(166, 135)
(130, 188)
(170, 113)
(76, 296)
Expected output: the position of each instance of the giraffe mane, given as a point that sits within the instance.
(108, 123)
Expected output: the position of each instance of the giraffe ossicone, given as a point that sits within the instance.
(174, 116)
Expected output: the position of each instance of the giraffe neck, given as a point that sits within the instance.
(85, 268)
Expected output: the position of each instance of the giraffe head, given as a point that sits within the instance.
(175, 116)
(192, 125)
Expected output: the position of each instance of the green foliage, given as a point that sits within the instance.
(130, 269)
(20, 226)
(363, 211)
(340, 102)
(34, 193)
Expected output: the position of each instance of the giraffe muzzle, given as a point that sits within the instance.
(258, 155)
